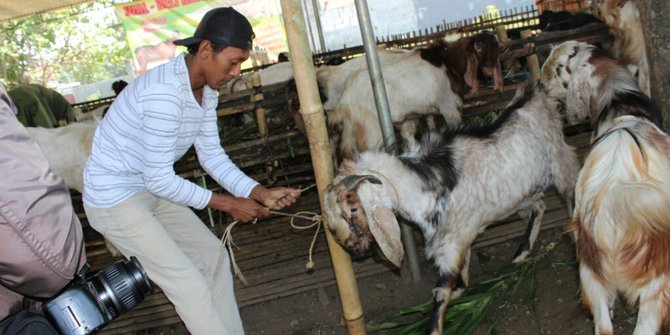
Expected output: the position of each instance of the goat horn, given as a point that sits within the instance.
(351, 182)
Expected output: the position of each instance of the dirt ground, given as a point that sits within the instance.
(556, 301)
(383, 296)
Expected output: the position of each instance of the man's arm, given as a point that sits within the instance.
(41, 240)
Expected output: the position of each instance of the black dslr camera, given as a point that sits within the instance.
(88, 303)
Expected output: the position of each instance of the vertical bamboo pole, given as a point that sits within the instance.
(317, 19)
(315, 125)
(508, 64)
(532, 60)
(257, 99)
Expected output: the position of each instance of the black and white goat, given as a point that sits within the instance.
(461, 182)
(430, 80)
(621, 221)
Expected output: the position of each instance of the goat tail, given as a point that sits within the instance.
(627, 174)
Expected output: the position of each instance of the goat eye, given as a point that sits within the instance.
(354, 209)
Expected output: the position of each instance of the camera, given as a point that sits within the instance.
(89, 303)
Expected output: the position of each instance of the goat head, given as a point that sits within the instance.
(357, 218)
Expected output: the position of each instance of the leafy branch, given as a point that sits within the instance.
(466, 313)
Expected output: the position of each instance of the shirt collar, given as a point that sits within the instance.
(210, 97)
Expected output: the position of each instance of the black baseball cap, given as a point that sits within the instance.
(223, 27)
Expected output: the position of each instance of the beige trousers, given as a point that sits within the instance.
(180, 255)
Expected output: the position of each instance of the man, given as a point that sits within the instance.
(41, 240)
(133, 197)
(41, 106)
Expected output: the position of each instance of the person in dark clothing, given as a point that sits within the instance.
(40, 106)
(118, 86)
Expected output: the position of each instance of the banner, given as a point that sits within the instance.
(152, 25)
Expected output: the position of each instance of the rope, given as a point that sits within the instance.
(316, 221)
(227, 238)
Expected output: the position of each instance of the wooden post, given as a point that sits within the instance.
(532, 60)
(315, 125)
(257, 99)
(508, 64)
(653, 16)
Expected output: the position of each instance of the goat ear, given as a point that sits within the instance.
(386, 230)
(578, 100)
(471, 72)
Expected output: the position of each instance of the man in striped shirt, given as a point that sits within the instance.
(133, 197)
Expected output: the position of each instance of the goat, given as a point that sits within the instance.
(621, 222)
(93, 116)
(565, 20)
(273, 74)
(454, 188)
(429, 80)
(67, 148)
(623, 18)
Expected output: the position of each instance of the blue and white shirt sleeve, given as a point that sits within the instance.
(216, 162)
(162, 107)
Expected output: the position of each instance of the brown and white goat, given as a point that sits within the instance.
(459, 184)
(623, 18)
(429, 80)
(621, 221)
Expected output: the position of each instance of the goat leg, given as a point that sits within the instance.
(598, 299)
(653, 316)
(442, 294)
(532, 231)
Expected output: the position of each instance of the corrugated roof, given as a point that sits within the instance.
(14, 9)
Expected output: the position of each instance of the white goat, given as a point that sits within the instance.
(429, 80)
(455, 188)
(273, 74)
(623, 18)
(93, 116)
(67, 148)
(621, 221)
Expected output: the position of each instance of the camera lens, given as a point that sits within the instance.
(121, 286)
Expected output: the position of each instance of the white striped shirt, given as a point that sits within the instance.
(151, 125)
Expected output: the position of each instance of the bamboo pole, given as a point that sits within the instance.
(257, 99)
(508, 64)
(532, 60)
(315, 125)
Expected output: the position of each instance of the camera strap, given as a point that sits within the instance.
(27, 322)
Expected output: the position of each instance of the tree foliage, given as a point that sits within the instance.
(83, 44)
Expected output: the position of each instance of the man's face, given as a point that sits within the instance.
(222, 66)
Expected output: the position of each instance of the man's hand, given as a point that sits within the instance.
(275, 198)
(241, 209)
